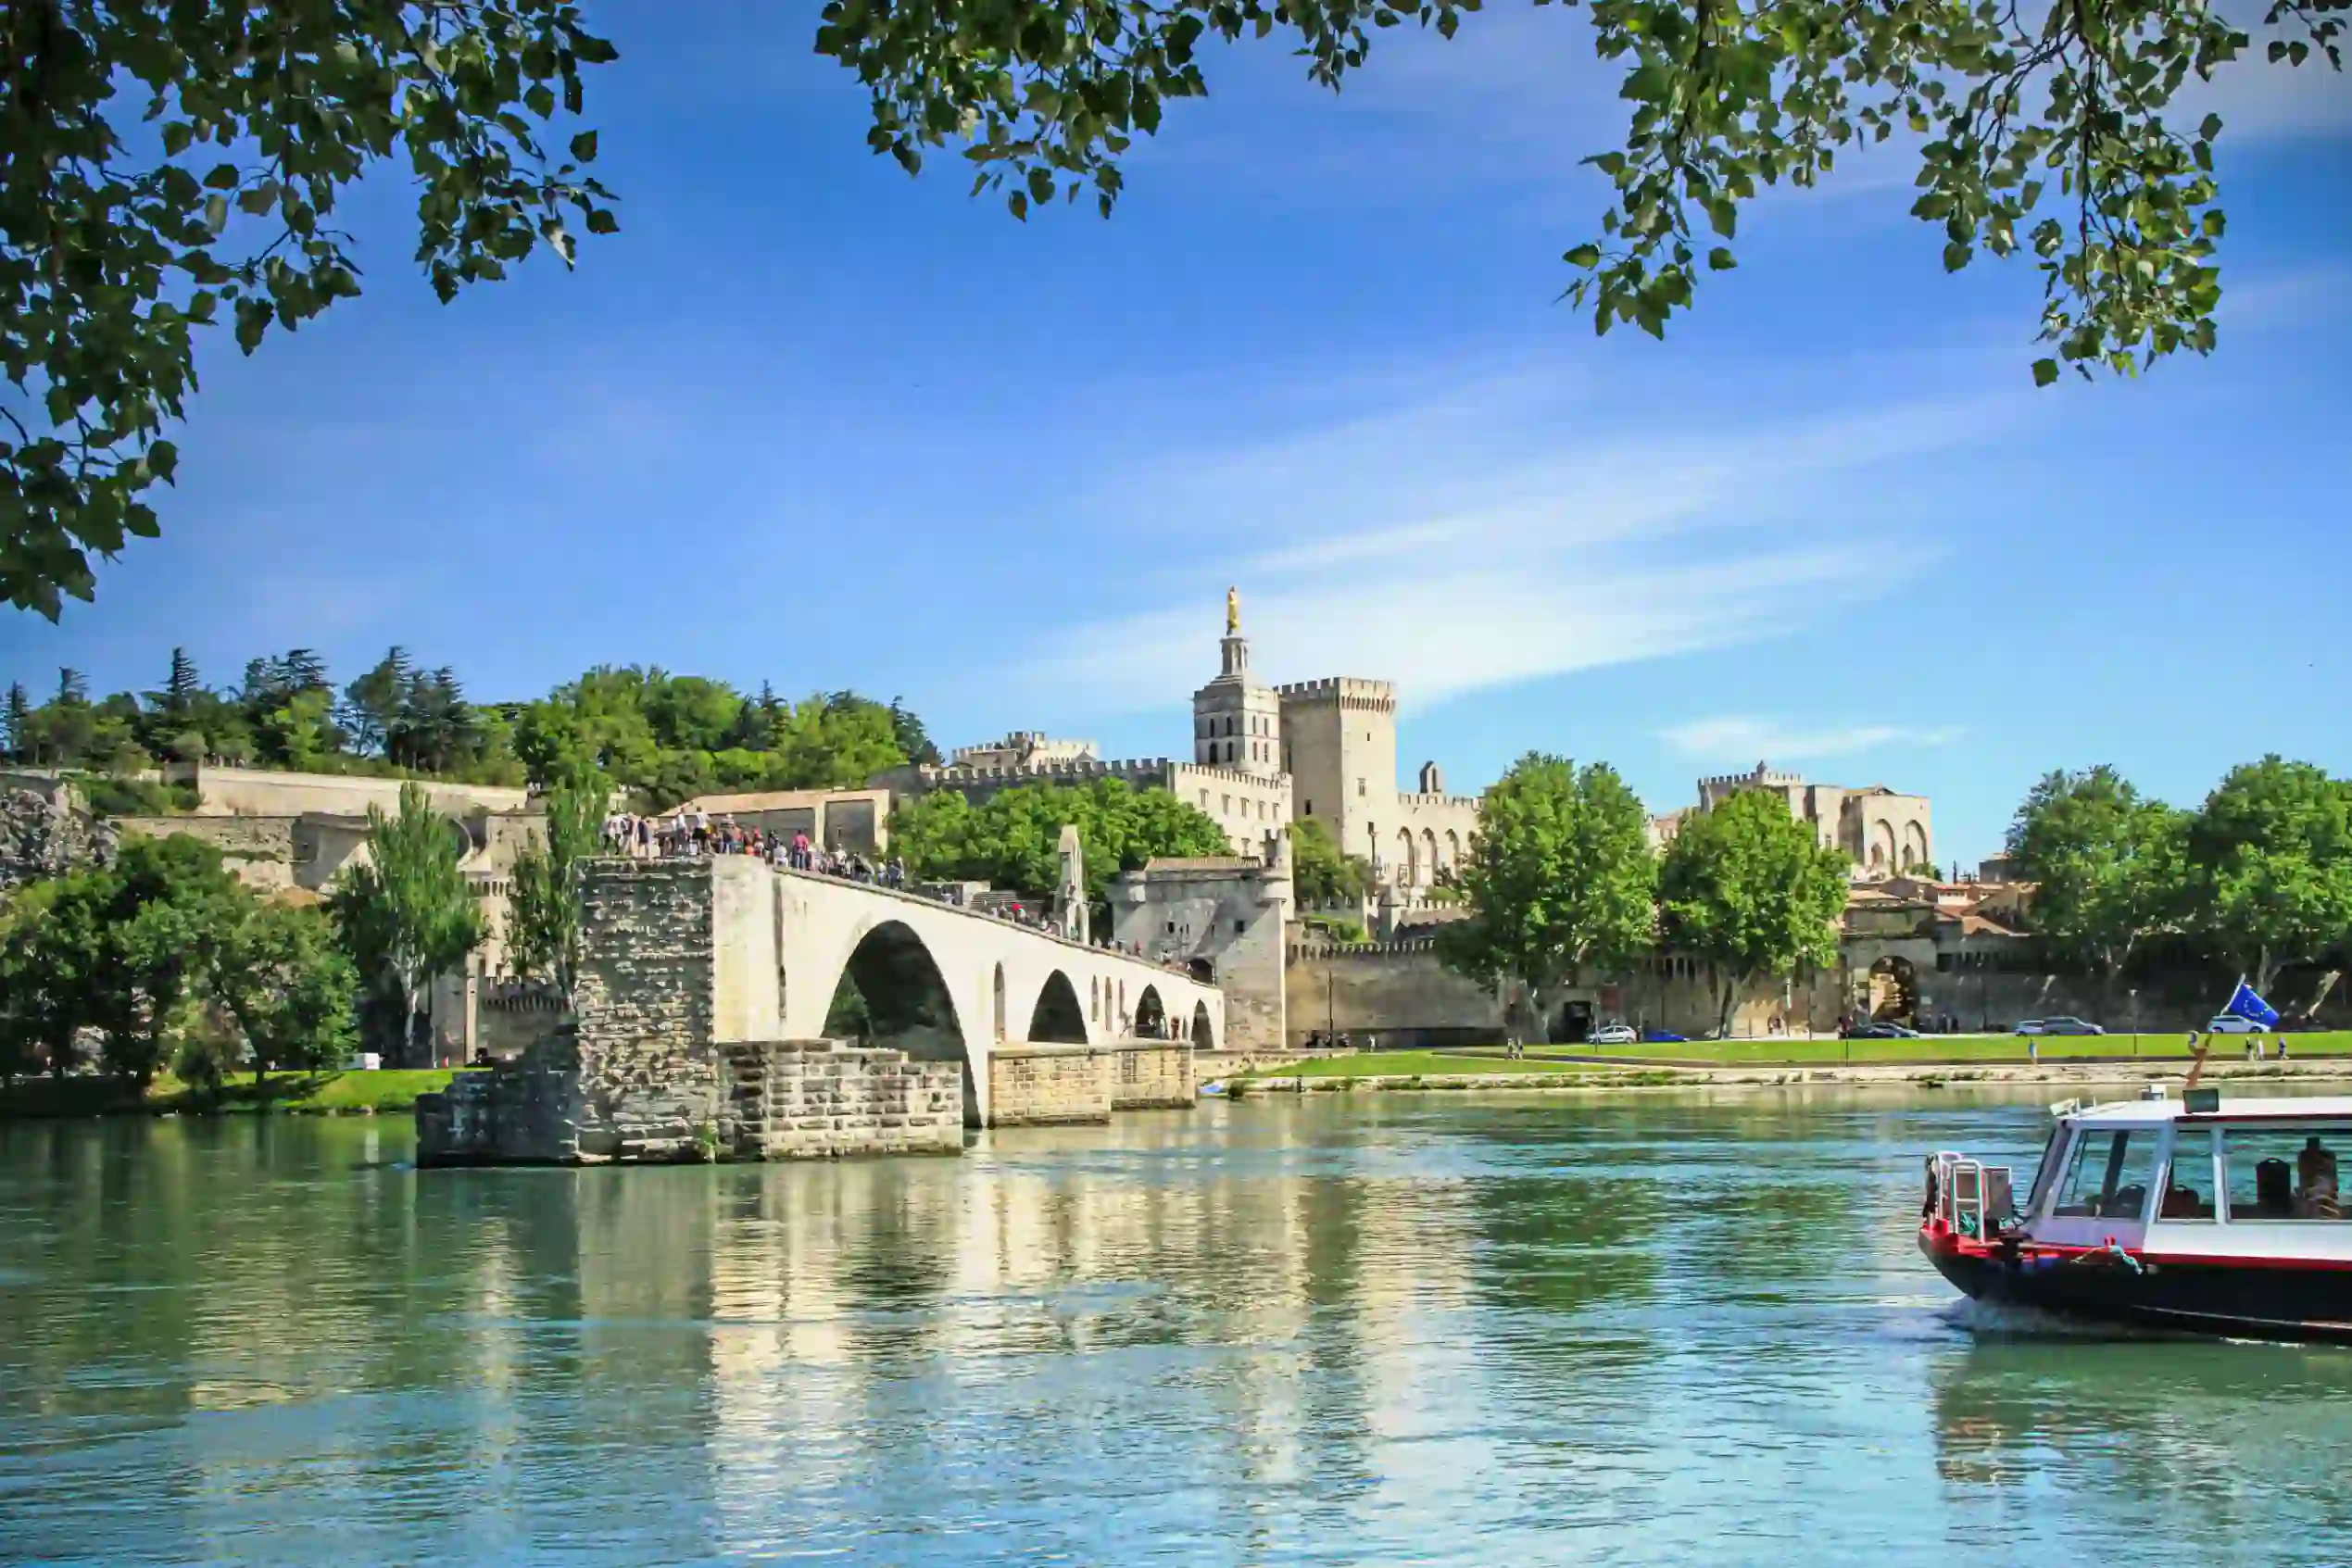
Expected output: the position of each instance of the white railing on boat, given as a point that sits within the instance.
(1973, 1198)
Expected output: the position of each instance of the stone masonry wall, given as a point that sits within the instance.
(803, 1100)
(1035, 1085)
(1153, 1077)
(257, 850)
(648, 1069)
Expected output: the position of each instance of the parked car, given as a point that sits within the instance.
(1664, 1037)
(2230, 1024)
(1883, 1031)
(2060, 1026)
(1613, 1034)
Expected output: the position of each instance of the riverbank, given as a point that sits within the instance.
(1931, 1049)
(1455, 1072)
(386, 1092)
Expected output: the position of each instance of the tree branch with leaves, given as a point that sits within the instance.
(1043, 98)
(165, 169)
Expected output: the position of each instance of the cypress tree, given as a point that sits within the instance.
(182, 688)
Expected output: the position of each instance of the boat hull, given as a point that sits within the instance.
(2241, 1298)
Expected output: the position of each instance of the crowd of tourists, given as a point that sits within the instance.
(688, 834)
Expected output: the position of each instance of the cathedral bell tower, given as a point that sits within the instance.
(1237, 724)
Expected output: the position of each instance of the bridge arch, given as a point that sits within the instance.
(1204, 1034)
(1150, 1015)
(891, 993)
(1057, 1018)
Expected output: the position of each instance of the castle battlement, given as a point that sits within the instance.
(1345, 690)
(1755, 778)
(1129, 767)
(1469, 802)
(1231, 775)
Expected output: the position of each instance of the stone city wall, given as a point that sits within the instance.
(257, 850)
(1153, 1077)
(1036, 1085)
(1400, 993)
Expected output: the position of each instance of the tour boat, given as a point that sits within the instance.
(2197, 1214)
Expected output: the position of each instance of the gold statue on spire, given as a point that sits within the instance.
(1232, 612)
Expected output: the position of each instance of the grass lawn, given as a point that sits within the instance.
(1368, 1064)
(392, 1091)
(1948, 1048)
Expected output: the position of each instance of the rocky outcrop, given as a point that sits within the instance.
(48, 835)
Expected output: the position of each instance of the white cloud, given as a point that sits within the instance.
(1486, 535)
(1744, 737)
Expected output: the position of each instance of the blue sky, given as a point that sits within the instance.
(808, 420)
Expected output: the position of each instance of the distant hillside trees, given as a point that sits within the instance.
(661, 737)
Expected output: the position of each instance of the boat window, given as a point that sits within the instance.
(2286, 1172)
(2188, 1186)
(2047, 1170)
(2108, 1174)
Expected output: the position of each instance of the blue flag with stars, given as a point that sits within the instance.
(2245, 1004)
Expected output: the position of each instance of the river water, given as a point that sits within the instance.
(1367, 1329)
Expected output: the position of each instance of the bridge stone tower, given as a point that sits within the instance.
(1236, 722)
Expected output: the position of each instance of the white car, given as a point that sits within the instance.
(2230, 1024)
(1613, 1034)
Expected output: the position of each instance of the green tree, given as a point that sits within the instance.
(180, 687)
(372, 703)
(1014, 840)
(2108, 863)
(1044, 96)
(1750, 890)
(542, 922)
(120, 243)
(1320, 874)
(18, 716)
(2271, 864)
(1559, 877)
(53, 960)
(405, 915)
(279, 975)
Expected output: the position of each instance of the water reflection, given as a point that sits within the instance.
(1430, 1329)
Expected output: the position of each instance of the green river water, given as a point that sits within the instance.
(1364, 1329)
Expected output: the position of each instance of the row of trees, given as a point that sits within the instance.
(665, 738)
(169, 960)
(2257, 877)
(1561, 882)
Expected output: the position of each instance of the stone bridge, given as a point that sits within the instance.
(939, 982)
(775, 952)
(725, 1009)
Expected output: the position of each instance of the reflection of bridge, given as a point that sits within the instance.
(937, 981)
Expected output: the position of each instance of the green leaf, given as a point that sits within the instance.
(177, 134)
(2044, 371)
(1587, 255)
(1720, 259)
(584, 146)
(1955, 256)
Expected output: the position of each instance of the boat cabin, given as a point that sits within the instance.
(2202, 1176)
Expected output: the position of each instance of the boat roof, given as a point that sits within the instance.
(2130, 1112)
